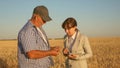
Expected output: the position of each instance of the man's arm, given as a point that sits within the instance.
(35, 54)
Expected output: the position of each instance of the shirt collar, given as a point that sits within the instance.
(73, 36)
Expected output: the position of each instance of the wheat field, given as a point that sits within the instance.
(106, 53)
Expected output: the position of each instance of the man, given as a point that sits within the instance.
(34, 50)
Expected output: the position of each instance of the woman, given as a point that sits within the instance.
(76, 46)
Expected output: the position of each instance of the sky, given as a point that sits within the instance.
(95, 18)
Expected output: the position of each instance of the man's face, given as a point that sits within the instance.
(40, 21)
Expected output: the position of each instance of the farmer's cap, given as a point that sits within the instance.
(42, 11)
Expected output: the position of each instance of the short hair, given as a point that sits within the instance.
(69, 23)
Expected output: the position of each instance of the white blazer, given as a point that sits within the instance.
(82, 49)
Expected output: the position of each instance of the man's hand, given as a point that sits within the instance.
(54, 51)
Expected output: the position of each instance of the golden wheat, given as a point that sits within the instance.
(106, 53)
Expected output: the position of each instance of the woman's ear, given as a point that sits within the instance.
(75, 27)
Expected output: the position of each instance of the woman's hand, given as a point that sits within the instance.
(66, 51)
(72, 56)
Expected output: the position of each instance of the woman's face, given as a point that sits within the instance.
(70, 31)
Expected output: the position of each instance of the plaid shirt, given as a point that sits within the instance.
(29, 39)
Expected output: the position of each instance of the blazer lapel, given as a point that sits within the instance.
(77, 42)
(66, 42)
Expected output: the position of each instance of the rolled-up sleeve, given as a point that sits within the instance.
(28, 41)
